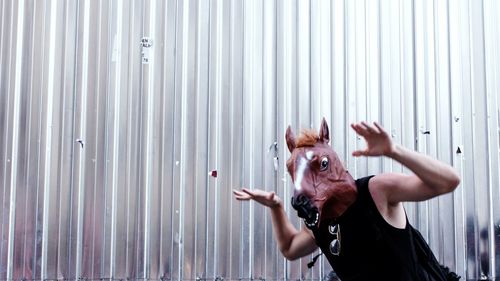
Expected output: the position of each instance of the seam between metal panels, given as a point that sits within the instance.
(379, 57)
(231, 129)
(107, 114)
(207, 125)
(414, 56)
(451, 141)
(116, 123)
(473, 129)
(149, 124)
(15, 135)
(184, 63)
(345, 68)
(437, 97)
(198, 70)
(309, 86)
(241, 172)
(2, 25)
(48, 136)
(5, 148)
(365, 93)
(170, 269)
(96, 231)
(83, 125)
(129, 152)
(29, 106)
(73, 122)
(61, 151)
(218, 63)
(39, 153)
(491, 239)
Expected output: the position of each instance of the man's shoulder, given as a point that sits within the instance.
(381, 185)
(384, 180)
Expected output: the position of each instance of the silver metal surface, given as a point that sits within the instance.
(106, 157)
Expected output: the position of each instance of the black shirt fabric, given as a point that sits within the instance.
(371, 248)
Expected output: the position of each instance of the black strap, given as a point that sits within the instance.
(311, 264)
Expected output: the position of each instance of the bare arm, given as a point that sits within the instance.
(431, 177)
(293, 243)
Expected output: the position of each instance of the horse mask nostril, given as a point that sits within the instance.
(299, 201)
(304, 207)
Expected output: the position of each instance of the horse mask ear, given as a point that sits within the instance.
(324, 133)
(290, 139)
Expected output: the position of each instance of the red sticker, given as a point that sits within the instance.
(213, 173)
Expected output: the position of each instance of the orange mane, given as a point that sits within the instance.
(307, 137)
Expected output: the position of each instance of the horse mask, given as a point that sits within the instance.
(323, 187)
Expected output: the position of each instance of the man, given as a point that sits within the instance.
(360, 225)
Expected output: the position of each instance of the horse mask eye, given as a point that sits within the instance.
(324, 164)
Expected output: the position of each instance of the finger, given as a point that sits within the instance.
(241, 193)
(365, 127)
(359, 129)
(237, 192)
(379, 128)
(370, 128)
(242, 198)
(249, 192)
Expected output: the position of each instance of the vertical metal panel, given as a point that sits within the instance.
(105, 155)
(492, 73)
(456, 98)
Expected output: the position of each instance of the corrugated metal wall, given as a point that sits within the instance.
(113, 112)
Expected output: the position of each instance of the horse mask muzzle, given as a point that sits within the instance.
(306, 210)
(323, 188)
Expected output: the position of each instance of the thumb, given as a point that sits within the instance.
(271, 195)
(274, 199)
(358, 153)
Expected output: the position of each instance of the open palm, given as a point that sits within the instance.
(377, 139)
(269, 199)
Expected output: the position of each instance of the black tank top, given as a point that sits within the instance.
(370, 248)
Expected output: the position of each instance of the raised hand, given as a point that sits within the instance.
(378, 141)
(269, 199)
